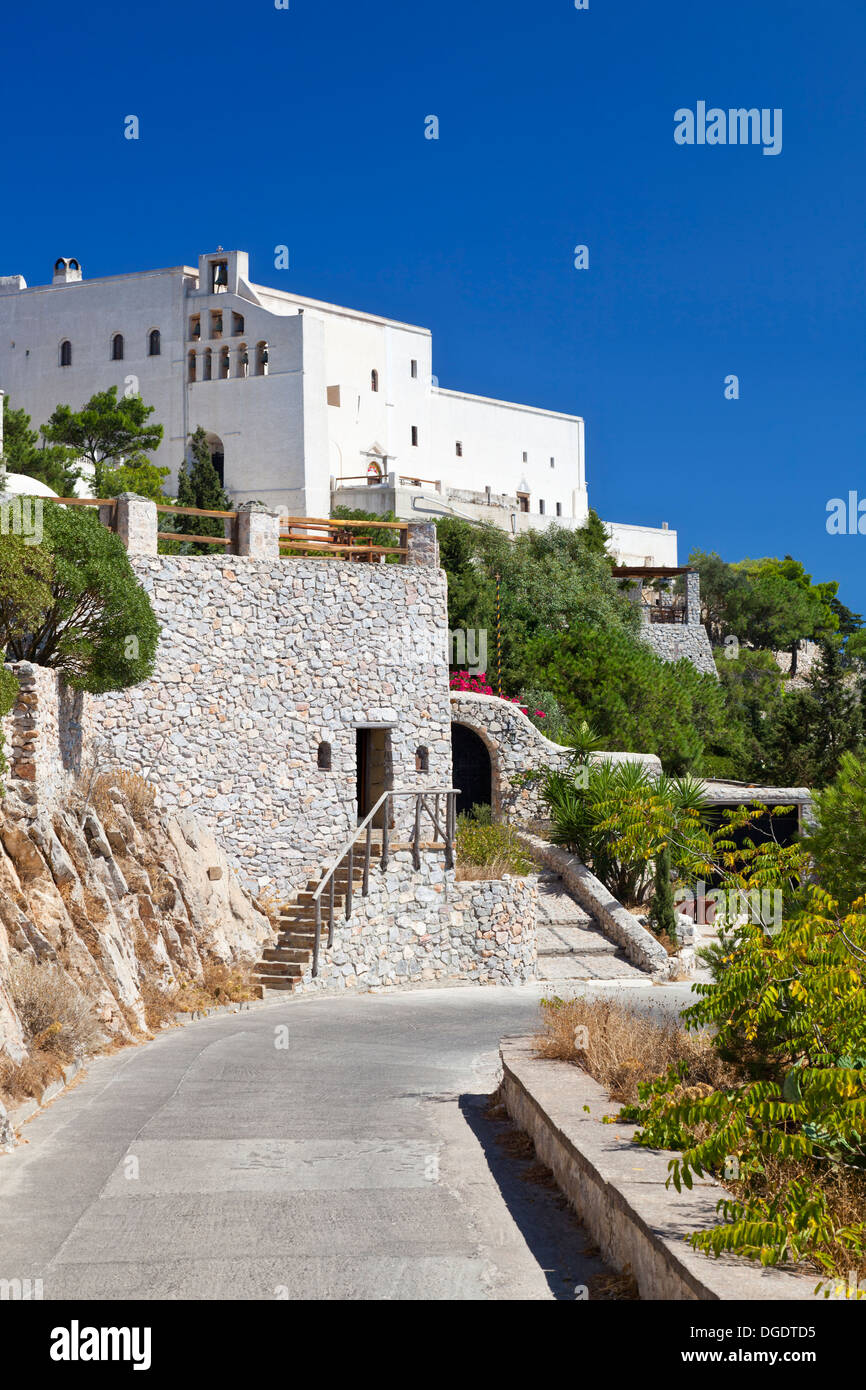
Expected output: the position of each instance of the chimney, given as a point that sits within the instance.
(67, 271)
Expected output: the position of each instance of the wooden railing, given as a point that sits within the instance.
(304, 535)
(229, 518)
(299, 535)
(442, 814)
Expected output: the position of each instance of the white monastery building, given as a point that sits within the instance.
(306, 405)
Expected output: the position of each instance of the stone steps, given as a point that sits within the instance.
(282, 965)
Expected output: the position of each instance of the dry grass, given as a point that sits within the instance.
(139, 794)
(220, 984)
(18, 1081)
(57, 1017)
(271, 903)
(620, 1049)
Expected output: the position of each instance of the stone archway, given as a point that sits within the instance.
(473, 769)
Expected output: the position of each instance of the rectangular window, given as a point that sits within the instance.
(553, 463)
(194, 327)
(459, 449)
(216, 323)
(559, 509)
(415, 434)
(413, 368)
(237, 324)
(523, 501)
(541, 506)
(525, 458)
(333, 395)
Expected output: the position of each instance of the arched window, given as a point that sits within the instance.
(225, 364)
(191, 367)
(154, 343)
(208, 365)
(323, 757)
(374, 380)
(73, 264)
(117, 348)
(243, 360)
(60, 263)
(66, 353)
(422, 759)
(262, 358)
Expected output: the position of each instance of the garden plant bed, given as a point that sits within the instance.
(618, 1189)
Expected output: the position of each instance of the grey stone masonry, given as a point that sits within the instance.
(260, 662)
(420, 926)
(693, 599)
(258, 531)
(135, 521)
(681, 642)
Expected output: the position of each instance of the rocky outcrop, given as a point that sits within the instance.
(129, 901)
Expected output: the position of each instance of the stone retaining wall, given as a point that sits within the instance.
(420, 926)
(45, 736)
(681, 642)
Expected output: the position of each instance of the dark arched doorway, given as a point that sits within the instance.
(472, 771)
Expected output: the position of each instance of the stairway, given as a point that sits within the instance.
(571, 945)
(283, 965)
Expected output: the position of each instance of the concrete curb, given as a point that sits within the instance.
(640, 946)
(618, 1189)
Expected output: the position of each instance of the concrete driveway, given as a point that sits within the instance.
(329, 1148)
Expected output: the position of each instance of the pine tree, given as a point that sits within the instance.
(663, 913)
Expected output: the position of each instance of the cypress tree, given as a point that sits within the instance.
(663, 913)
(198, 485)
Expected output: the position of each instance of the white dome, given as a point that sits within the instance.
(26, 487)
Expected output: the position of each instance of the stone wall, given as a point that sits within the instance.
(261, 661)
(45, 736)
(681, 642)
(516, 747)
(420, 926)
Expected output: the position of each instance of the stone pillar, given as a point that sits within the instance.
(258, 531)
(135, 521)
(423, 544)
(693, 599)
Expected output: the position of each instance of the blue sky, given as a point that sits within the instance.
(306, 127)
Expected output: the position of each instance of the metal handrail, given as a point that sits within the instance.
(348, 851)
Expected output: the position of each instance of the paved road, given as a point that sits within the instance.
(355, 1162)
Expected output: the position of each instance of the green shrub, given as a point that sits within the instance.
(838, 844)
(88, 616)
(789, 1008)
(485, 850)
